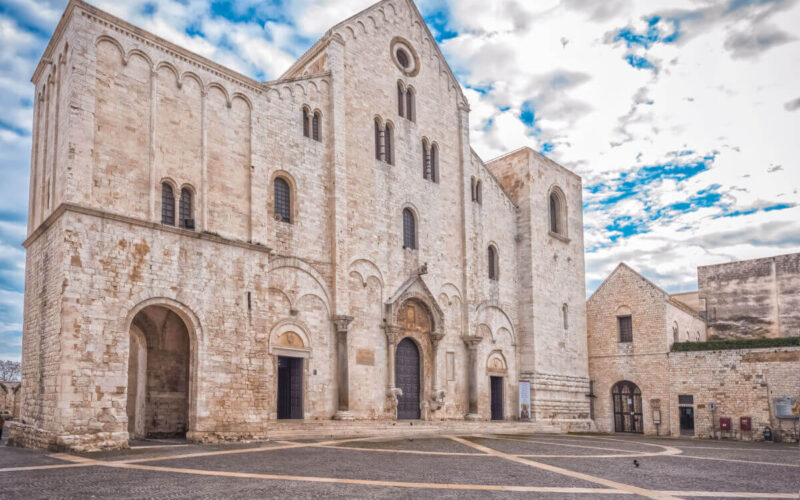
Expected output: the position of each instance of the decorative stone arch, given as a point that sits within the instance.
(301, 266)
(113, 41)
(623, 310)
(221, 88)
(557, 211)
(171, 67)
(289, 337)
(364, 269)
(193, 76)
(194, 331)
(415, 289)
(482, 312)
(496, 364)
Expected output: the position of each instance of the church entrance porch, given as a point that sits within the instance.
(158, 374)
(407, 376)
(290, 388)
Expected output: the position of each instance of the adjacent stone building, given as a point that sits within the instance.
(631, 326)
(752, 298)
(208, 254)
(641, 384)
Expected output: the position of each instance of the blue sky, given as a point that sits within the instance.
(682, 117)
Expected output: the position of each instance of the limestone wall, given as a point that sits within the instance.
(741, 383)
(752, 298)
(610, 361)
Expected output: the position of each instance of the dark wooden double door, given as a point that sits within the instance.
(627, 408)
(407, 379)
(290, 388)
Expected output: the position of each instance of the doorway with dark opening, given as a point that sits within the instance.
(627, 407)
(497, 397)
(290, 388)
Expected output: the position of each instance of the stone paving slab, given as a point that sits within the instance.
(680, 473)
(414, 444)
(354, 464)
(227, 471)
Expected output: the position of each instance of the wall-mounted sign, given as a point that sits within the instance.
(524, 400)
(788, 408)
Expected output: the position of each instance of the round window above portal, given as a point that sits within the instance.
(405, 57)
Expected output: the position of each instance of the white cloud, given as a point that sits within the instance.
(725, 90)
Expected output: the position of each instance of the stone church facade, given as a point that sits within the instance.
(209, 254)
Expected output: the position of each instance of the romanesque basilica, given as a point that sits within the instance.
(208, 255)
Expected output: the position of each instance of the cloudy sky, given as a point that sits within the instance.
(682, 116)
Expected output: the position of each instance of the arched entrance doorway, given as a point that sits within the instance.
(158, 374)
(407, 377)
(627, 407)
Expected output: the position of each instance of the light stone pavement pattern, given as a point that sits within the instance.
(476, 466)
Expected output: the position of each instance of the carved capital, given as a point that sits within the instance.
(436, 337)
(342, 323)
(392, 332)
(473, 341)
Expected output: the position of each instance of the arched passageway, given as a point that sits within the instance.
(158, 374)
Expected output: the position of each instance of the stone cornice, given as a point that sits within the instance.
(69, 207)
(124, 27)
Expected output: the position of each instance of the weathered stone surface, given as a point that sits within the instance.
(136, 327)
(740, 383)
(752, 298)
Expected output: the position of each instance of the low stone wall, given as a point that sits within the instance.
(740, 383)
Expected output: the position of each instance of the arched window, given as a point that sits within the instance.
(306, 123)
(479, 192)
(675, 336)
(409, 229)
(167, 204)
(401, 98)
(186, 220)
(283, 200)
(697, 336)
(378, 140)
(411, 108)
(316, 125)
(434, 163)
(388, 139)
(565, 314)
(558, 215)
(493, 262)
(426, 160)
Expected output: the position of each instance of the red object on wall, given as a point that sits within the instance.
(725, 423)
(745, 424)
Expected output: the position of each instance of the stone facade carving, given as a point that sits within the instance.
(326, 280)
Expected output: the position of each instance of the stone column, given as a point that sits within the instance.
(342, 324)
(472, 343)
(435, 337)
(391, 346)
(438, 395)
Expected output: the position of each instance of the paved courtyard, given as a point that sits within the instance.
(485, 466)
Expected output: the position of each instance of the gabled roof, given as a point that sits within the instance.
(326, 38)
(623, 267)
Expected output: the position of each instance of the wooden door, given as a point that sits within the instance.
(290, 388)
(497, 398)
(407, 378)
